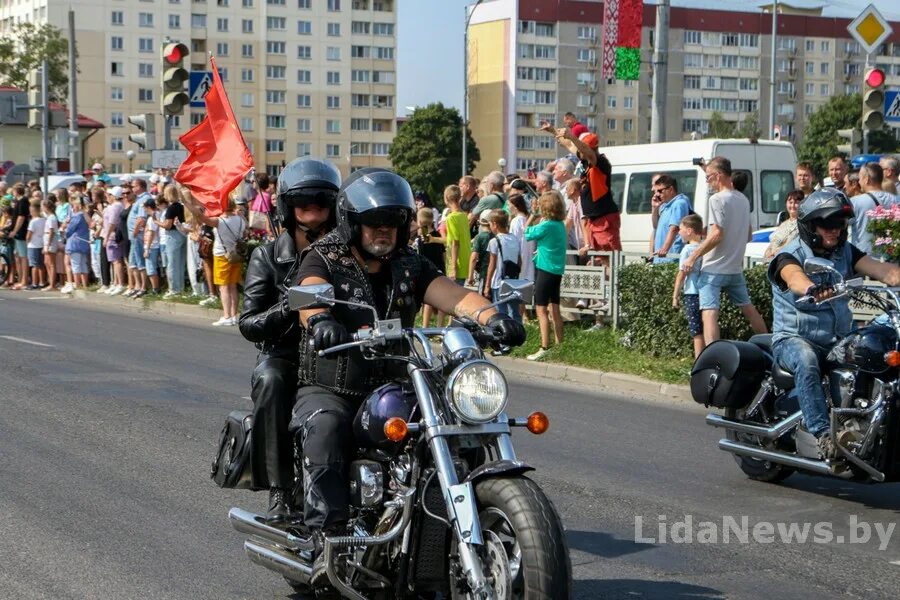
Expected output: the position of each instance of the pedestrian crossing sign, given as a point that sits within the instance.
(892, 107)
(200, 83)
(869, 29)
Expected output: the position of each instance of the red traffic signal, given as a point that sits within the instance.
(174, 53)
(875, 77)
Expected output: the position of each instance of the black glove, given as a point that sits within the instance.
(507, 330)
(326, 331)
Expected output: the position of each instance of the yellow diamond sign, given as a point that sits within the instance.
(869, 29)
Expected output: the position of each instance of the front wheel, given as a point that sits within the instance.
(525, 555)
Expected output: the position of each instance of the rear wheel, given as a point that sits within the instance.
(760, 470)
(5, 266)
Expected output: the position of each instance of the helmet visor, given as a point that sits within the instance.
(308, 197)
(383, 217)
(830, 223)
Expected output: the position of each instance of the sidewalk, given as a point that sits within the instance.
(615, 382)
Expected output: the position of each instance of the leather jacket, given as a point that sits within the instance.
(263, 321)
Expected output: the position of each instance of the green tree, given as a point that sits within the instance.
(719, 127)
(427, 150)
(749, 127)
(24, 48)
(820, 137)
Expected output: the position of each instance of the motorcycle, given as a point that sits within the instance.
(861, 379)
(440, 504)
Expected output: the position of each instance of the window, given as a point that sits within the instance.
(611, 124)
(246, 75)
(526, 27)
(638, 201)
(359, 149)
(786, 43)
(117, 69)
(334, 29)
(748, 84)
(222, 48)
(275, 72)
(304, 52)
(304, 125)
(810, 45)
(383, 77)
(384, 53)
(585, 78)
(145, 19)
(543, 29)
(249, 3)
(332, 150)
(628, 125)
(359, 76)
(333, 102)
(689, 103)
(303, 27)
(304, 4)
(824, 90)
(117, 17)
(750, 63)
(332, 126)
(748, 40)
(223, 3)
(583, 101)
(274, 145)
(810, 89)
(610, 102)
(544, 51)
(586, 32)
(304, 149)
(246, 124)
(730, 84)
(116, 119)
(525, 97)
(381, 149)
(115, 144)
(824, 68)
(275, 121)
(247, 25)
(269, 2)
(116, 42)
(524, 142)
(334, 5)
(174, 21)
(774, 186)
(304, 101)
(115, 93)
(693, 60)
(810, 67)
(222, 24)
(541, 97)
(246, 99)
(198, 21)
(825, 46)
(145, 69)
(247, 50)
(145, 95)
(628, 102)
(692, 37)
(359, 100)
(332, 53)
(196, 118)
(692, 82)
(729, 61)
(333, 77)
(275, 96)
(729, 39)
(304, 76)
(359, 124)
(359, 52)
(145, 44)
(383, 28)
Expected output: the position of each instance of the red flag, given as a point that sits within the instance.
(218, 157)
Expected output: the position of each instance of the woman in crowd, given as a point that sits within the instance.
(95, 217)
(262, 205)
(51, 229)
(787, 231)
(176, 241)
(78, 249)
(191, 229)
(63, 213)
(113, 240)
(424, 201)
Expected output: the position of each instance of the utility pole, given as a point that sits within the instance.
(45, 124)
(772, 70)
(73, 99)
(660, 73)
(465, 110)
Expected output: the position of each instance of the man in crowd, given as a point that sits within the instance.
(137, 269)
(571, 121)
(492, 200)
(891, 167)
(563, 171)
(851, 184)
(837, 170)
(806, 179)
(870, 179)
(672, 207)
(21, 216)
(468, 186)
(723, 251)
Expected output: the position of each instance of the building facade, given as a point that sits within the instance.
(534, 60)
(305, 77)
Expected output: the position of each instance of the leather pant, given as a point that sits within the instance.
(323, 426)
(272, 389)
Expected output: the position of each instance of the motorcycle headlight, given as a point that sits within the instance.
(477, 391)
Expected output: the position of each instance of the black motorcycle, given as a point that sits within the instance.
(440, 504)
(762, 415)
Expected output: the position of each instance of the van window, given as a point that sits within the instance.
(639, 189)
(617, 184)
(748, 191)
(774, 188)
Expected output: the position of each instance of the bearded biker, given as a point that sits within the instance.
(366, 259)
(803, 334)
(305, 196)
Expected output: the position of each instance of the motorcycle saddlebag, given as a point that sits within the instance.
(727, 374)
(231, 466)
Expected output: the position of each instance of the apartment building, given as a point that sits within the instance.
(534, 60)
(305, 77)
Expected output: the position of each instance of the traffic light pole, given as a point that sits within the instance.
(865, 130)
(167, 132)
(45, 125)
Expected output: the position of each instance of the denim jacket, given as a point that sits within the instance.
(824, 324)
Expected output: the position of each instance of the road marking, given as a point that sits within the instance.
(62, 297)
(895, 562)
(24, 341)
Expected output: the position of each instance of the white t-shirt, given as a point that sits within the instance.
(228, 232)
(154, 232)
(36, 227)
(50, 226)
(510, 251)
(730, 210)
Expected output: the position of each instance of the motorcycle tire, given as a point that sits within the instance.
(516, 513)
(758, 470)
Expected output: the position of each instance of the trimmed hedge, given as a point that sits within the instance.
(649, 323)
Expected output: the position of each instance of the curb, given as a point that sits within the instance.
(617, 382)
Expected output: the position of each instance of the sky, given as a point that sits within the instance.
(430, 42)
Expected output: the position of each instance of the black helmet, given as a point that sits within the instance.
(306, 178)
(827, 203)
(374, 192)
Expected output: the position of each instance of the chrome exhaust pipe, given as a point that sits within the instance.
(782, 458)
(769, 433)
(251, 524)
(279, 561)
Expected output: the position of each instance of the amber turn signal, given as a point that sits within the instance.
(892, 358)
(395, 429)
(538, 423)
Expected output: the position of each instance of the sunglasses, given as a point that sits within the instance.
(383, 218)
(320, 199)
(832, 223)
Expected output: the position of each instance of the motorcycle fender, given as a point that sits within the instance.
(498, 467)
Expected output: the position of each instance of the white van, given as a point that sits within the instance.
(769, 165)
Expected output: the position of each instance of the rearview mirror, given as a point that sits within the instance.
(523, 287)
(816, 266)
(310, 296)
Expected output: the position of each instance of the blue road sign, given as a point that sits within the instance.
(892, 107)
(200, 83)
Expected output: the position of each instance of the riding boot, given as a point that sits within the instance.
(279, 505)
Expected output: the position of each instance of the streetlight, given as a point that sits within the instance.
(465, 111)
(130, 156)
(501, 162)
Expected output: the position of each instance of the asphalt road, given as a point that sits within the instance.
(107, 430)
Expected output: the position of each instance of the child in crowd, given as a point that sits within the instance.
(429, 244)
(505, 262)
(459, 240)
(478, 258)
(51, 243)
(34, 240)
(691, 231)
(152, 246)
(550, 264)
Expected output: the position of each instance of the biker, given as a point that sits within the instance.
(305, 196)
(804, 334)
(367, 259)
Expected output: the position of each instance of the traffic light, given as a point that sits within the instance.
(873, 100)
(174, 76)
(854, 142)
(147, 124)
(35, 98)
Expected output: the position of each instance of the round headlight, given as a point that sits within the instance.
(477, 391)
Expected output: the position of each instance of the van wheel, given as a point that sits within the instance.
(759, 470)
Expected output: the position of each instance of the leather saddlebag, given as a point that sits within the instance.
(727, 374)
(231, 467)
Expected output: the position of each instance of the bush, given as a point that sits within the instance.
(649, 323)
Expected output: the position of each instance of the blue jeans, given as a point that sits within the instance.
(176, 258)
(510, 308)
(804, 359)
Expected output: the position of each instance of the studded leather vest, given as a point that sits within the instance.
(348, 373)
